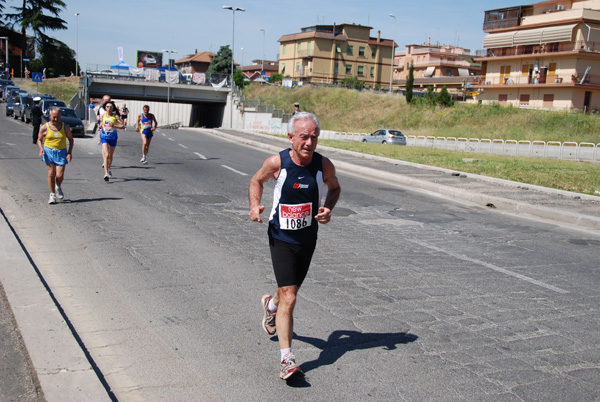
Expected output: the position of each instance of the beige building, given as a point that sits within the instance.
(330, 53)
(544, 55)
(435, 61)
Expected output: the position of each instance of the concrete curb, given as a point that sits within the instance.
(554, 215)
(64, 372)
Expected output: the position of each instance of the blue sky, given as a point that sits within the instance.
(189, 25)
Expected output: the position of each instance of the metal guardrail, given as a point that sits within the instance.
(584, 151)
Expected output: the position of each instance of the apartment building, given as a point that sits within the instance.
(544, 55)
(194, 63)
(435, 61)
(330, 53)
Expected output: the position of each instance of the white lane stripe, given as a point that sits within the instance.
(164, 135)
(200, 156)
(171, 139)
(494, 267)
(236, 171)
(182, 146)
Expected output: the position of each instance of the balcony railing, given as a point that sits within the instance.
(578, 46)
(304, 53)
(550, 79)
(506, 23)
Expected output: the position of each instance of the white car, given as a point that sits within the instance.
(149, 59)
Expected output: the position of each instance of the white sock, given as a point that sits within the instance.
(285, 352)
(271, 306)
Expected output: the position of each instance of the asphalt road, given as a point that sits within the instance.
(410, 297)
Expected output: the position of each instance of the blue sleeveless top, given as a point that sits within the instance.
(296, 200)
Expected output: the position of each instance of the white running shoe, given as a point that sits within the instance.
(289, 367)
(106, 177)
(268, 320)
(59, 193)
(52, 199)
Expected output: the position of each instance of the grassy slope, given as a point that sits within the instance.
(62, 88)
(354, 111)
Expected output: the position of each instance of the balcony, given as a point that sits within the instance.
(502, 18)
(303, 54)
(557, 47)
(550, 79)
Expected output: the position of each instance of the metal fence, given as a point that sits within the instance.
(583, 151)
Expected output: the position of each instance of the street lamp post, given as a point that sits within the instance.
(77, 46)
(242, 49)
(167, 77)
(6, 48)
(393, 53)
(262, 68)
(233, 9)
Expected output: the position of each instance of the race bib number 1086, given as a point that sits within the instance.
(294, 217)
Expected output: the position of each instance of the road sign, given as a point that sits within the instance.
(36, 77)
(25, 59)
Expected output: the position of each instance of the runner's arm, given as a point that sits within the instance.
(71, 141)
(40, 141)
(333, 192)
(269, 169)
(155, 123)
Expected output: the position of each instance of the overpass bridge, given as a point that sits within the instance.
(187, 103)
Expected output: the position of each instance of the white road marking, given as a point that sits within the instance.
(236, 171)
(201, 156)
(171, 139)
(164, 135)
(182, 146)
(494, 267)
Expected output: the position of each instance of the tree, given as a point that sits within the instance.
(409, 84)
(239, 79)
(429, 98)
(444, 98)
(38, 15)
(57, 57)
(352, 82)
(221, 62)
(275, 78)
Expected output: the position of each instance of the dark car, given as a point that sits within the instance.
(70, 118)
(23, 103)
(46, 104)
(6, 91)
(10, 106)
(30, 108)
(4, 84)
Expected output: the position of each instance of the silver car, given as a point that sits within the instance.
(385, 136)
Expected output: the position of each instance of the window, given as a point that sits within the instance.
(360, 70)
(283, 51)
(299, 46)
(298, 66)
(372, 71)
(308, 48)
(524, 100)
(548, 100)
(282, 68)
(361, 51)
(525, 69)
(335, 68)
(502, 98)
(504, 74)
(338, 49)
(374, 51)
(349, 50)
(348, 69)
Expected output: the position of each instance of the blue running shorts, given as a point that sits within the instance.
(55, 156)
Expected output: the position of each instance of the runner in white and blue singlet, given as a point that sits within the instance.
(300, 173)
(146, 124)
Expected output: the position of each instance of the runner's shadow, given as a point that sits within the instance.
(340, 342)
(135, 179)
(82, 200)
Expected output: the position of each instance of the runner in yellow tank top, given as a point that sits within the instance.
(54, 135)
(109, 123)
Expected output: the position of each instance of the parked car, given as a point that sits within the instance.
(6, 92)
(46, 104)
(4, 83)
(10, 106)
(29, 109)
(385, 136)
(70, 118)
(23, 102)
